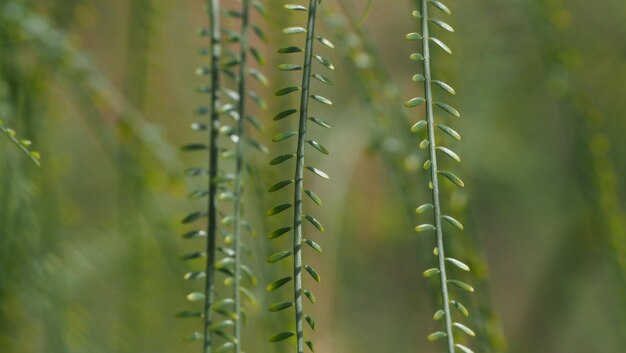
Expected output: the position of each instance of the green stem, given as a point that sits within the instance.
(297, 202)
(243, 68)
(433, 175)
(215, 52)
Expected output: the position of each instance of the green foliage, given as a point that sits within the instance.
(298, 215)
(23, 145)
(432, 164)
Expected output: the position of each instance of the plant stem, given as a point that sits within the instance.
(215, 52)
(297, 202)
(243, 68)
(433, 174)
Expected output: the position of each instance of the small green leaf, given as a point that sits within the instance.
(281, 336)
(437, 335)
(224, 348)
(280, 306)
(314, 222)
(289, 50)
(294, 30)
(419, 125)
(285, 114)
(278, 232)
(441, 6)
(195, 296)
(312, 272)
(194, 234)
(464, 328)
(308, 342)
(295, 7)
(277, 284)
(317, 172)
(450, 131)
(286, 90)
(424, 208)
(322, 60)
(193, 217)
(413, 36)
(323, 79)
(282, 158)
(320, 122)
(414, 102)
(321, 99)
(461, 285)
(280, 185)
(192, 255)
(278, 209)
(418, 78)
(417, 57)
(278, 256)
(442, 24)
(318, 146)
(315, 246)
(310, 321)
(450, 110)
(450, 153)
(463, 348)
(218, 326)
(453, 221)
(313, 197)
(195, 336)
(444, 86)
(425, 228)
(283, 136)
(326, 42)
(453, 178)
(289, 67)
(431, 272)
(194, 275)
(439, 314)
(441, 45)
(460, 307)
(310, 296)
(416, 14)
(458, 263)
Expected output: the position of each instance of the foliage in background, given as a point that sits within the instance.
(73, 281)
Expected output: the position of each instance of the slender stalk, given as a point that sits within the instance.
(243, 68)
(297, 201)
(215, 52)
(433, 174)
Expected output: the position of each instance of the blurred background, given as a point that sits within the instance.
(106, 91)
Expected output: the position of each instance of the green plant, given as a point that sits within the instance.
(430, 143)
(224, 186)
(298, 181)
(23, 145)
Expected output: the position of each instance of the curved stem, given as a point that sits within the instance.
(241, 108)
(297, 202)
(215, 52)
(433, 174)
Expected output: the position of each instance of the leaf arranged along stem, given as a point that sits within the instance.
(224, 186)
(432, 164)
(298, 181)
(23, 145)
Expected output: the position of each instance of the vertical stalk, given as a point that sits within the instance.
(433, 174)
(215, 52)
(297, 202)
(243, 68)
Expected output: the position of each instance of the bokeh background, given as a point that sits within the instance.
(106, 90)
